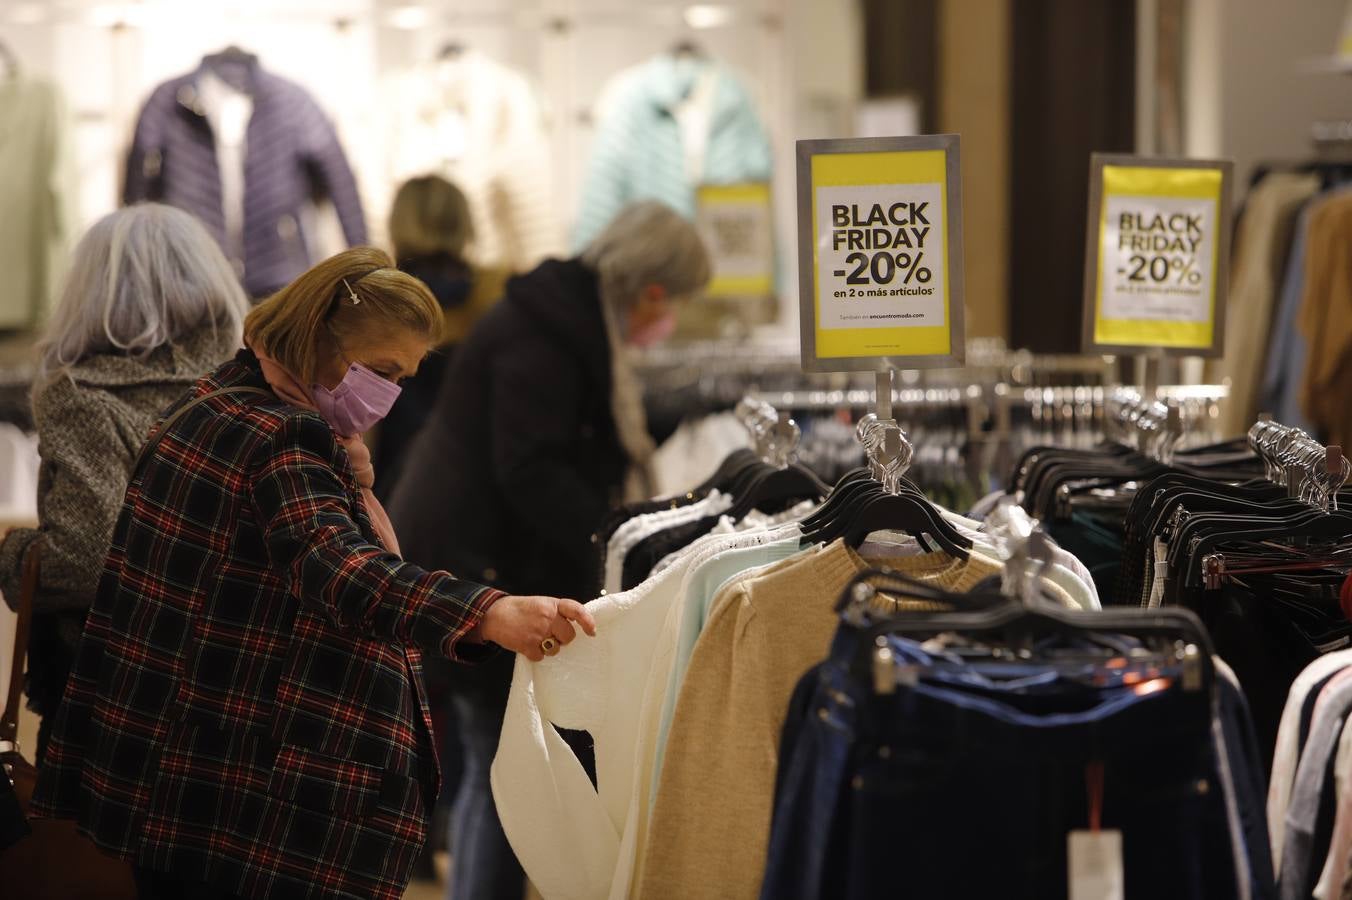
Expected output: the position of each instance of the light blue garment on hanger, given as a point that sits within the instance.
(638, 152)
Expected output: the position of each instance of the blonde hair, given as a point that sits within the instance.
(140, 278)
(295, 325)
(429, 215)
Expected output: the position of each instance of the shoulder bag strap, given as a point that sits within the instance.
(182, 411)
(9, 720)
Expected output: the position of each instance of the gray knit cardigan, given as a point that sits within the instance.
(91, 422)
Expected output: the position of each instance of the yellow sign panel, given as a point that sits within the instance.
(1158, 248)
(879, 239)
(735, 222)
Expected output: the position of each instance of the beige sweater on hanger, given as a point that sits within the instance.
(710, 827)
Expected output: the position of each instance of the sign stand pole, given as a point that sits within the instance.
(1151, 378)
(883, 394)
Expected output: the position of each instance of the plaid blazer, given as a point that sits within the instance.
(246, 706)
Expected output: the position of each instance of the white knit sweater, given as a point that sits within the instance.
(576, 842)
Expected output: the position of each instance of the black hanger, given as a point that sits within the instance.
(452, 49)
(688, 49)
(853, 507)
(905, 512)
(732, 464)
(849, 487)
(1316, 525)
(772, 489)
(852, 499)
(1021, 625)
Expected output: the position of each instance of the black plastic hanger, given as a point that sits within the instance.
(1020, 625)
(908, 513)
(773, 489)
(732, 464)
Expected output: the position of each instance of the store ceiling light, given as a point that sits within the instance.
(409, 18)
(707, 15)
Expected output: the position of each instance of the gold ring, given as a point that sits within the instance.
(548, 646)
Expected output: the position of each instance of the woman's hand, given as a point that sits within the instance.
(523, 624)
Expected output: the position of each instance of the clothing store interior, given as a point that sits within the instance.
(646, 449)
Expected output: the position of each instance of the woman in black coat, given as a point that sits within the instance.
(538, 430)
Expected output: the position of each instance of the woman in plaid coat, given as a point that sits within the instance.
(246, 716)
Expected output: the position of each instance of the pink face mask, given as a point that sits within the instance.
(655, 332)
(361, 400)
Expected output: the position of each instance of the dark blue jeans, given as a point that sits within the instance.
(483, 866)
(955, 790)
(1246, 769)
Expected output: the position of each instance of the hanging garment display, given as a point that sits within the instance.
(667, 127)
(1264, 233)
(919, 719)
(685, 689)
(37, 192)
(188, 151)
(1260, 560)
(1326, 318)
(1288, 272)
(479, 124)
(1287, 351)
(1310, 795)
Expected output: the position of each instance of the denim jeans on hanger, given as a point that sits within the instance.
(951, 791)
(814, 758)
(940, 772)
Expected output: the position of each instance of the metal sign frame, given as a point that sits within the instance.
(1094, 250)
(807, 268)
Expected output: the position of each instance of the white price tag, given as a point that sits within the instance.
(1096, 865)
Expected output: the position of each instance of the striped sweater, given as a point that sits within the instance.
(291, 154)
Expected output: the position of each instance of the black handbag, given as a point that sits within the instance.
(53, 860)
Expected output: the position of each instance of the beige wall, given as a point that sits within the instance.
(1269, 96)
(974, 102)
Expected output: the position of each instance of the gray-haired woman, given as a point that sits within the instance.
(150, 305)
(537, 430)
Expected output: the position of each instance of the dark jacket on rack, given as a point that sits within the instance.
(292, 154)
(522, 441)
(246, 706)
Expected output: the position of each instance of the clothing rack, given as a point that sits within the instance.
(1309, 470)
(970, 424)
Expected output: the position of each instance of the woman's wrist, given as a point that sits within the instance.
(483, 605)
